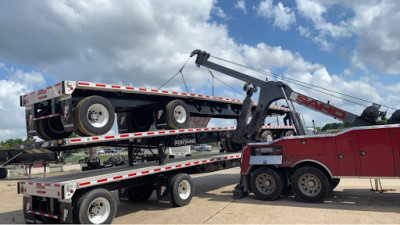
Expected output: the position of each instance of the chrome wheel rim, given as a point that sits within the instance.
(184, 189)
(310, 185)
(180, 114)
(97, 115)
(99, 210)
(265, 183)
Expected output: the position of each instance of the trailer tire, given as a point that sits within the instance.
(181, 189)
(287, 133)
(310, 184)
(267, 184)
(267, 136)
(138, 193)
(177, 114)
(94, 207)
(3, 173)
(94, 115)
(139, 121)
(51, 128)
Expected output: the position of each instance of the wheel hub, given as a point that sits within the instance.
(98, 115)
(265, 183)
(99, 210)
(309, 184)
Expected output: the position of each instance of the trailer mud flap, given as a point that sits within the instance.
(66, 213)
(26, 207)
(164, 195)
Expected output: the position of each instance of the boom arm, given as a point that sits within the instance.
(271, 91)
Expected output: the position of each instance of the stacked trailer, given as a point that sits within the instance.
(86, 197)
(88, 109)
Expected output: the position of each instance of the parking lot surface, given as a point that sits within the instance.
(351, 202)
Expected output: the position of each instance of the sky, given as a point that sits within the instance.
(350, 47)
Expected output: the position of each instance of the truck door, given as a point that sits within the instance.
(345, 155)
(375, 152)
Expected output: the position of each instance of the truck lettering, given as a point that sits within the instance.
(320, 106)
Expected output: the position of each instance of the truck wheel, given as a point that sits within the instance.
(267, 183)
(94, 115)
(334, 183)
(3, 173)
(139, 121)
(95, 207)
(267, 136)
(181, 189)
(287, 133)
(310, 184)
(177, 114)
(136, 194)
(51, 128)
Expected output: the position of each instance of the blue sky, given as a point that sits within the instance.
(350, 47)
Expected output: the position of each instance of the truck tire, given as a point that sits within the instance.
(181, 189)
(287, 133)
(96, 206)
(267, 184)
(51, 128)
(267, 136)
(136, 194)
(94, 115)
(3, 173)
(139, 121)
(310, 184)
(177, 114)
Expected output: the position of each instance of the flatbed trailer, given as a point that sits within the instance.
(85, 197)
(88, 109)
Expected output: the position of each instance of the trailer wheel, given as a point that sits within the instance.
(267, 184)
(3, 173)
(139, 121)
(310, 184)
(287, 133)
(334, 183)
(136, 194)
(267, 136)
(181, 189)
(51, 128)
(177, 114)
(95, 207)
(94, 115)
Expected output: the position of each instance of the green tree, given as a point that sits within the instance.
(12, 143)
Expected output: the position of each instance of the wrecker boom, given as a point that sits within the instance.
(271, 91)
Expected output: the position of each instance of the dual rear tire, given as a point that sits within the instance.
(309, 184)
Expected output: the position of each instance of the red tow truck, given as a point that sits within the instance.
(311, 165)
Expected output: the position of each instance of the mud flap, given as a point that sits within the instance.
(164, 196)
(26, 206)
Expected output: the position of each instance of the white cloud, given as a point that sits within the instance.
(143, 43)
(13, 116)
(376, 26)
(315, 11)
(241, 4)
(283, 17)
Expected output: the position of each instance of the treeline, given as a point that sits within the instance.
(11, 143)
(334, 126)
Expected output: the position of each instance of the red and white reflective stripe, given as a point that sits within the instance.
(41, 214)
(277, 127)
(45, 117)
(146, 171)
(155, 91)
(143, 134)
(44, 185)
